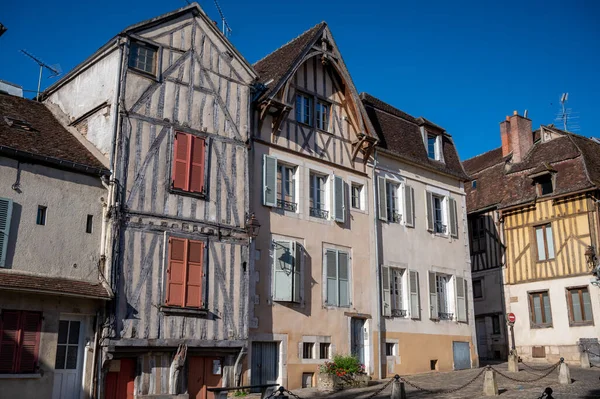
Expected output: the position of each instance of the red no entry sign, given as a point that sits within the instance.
(511, 318)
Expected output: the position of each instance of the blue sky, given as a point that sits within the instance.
(465, 65)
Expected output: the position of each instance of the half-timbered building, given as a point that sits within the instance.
(423, 266)
(533, 206)
(167, 101)
(312, 286)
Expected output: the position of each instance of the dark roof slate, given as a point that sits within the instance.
(52, 285)
(400, 134)
(47, 139)
(575, 161)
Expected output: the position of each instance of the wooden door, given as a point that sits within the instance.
(119, 384)
(204, 372)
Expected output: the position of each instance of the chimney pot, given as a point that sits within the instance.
(515, 113)
(507, 118)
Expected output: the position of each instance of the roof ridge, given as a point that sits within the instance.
(290, 42)
(482, 154)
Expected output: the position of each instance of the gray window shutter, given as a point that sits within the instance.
(385, 291)
(283, 259)
(339, 210)
(461, 302)
(297, 284)
(269, 180)
(344, 278)
(433, 300)
(429, 210)
(453, 218)
(409, 206)
(415, 306)
(382, 197)
(6, 206)
(331, 275)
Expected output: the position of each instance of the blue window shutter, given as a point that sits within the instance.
(6, 206)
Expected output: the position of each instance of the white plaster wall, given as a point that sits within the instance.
(560, 333)
(53, 249)
(418, 249)
(87, 90)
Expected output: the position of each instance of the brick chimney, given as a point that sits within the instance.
(516, 136)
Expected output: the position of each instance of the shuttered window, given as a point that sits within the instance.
(287, 266)
(394, 286)
(433, 297)
(461, 299)
(269, 180)
(409, 206)
(382, 198)
(6, 206)
(453, 217)
(188, 163)
(185, 273)
(19, 341)
(337, 276)
(339, 199)
(413, 286)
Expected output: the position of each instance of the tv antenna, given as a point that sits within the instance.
(54, 70)
(565, 115)
(226, 29)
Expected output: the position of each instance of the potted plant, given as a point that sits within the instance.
(343, 371)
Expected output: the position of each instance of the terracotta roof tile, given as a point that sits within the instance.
(400, 134)
(47, 138)
(52, 285)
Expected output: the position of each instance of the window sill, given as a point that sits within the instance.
(581, 324)
(539, 326)
(545, 261)
(177, 191)
(143, 73)
(20, 376)
(183, 311)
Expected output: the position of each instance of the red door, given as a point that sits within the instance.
(119, 384)
(204, 372)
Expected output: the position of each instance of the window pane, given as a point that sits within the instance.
(477, 291)
(539, 235)
(576, 306)
(587, 305)
(74, 332)
(59, 364)
(537, 309)
(431, 146)
(547, 312)
(550, 242)
(63, 330)
(71, 357)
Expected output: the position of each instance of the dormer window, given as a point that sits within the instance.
(473, 184)
(545, 184)
(434, 145)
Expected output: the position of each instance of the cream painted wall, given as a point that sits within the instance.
(561, 338)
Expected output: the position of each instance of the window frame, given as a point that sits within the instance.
(360, 188)
(478, 234)
(320, 123)
(542, 181)
(496, 323)
(18, 346)
(296, 294)
(322, 212)
(280, 198)
(311, 347)
(441, 226)
(399, 301)
(189, 164)
(131, 61)
(544, 228)
(393, 201)
(327, 345)
(42, 215)
(305, 112)
(170, 306)
(571, 310)
(394, 349)
(544, 323)
(480, 281)
(327, 301)
(436, 150)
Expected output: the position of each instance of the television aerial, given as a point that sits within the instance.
(54, 70)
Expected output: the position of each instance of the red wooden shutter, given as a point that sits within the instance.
(176, 271)
(181, 164)
(9, 337)
(193, 297)
(197, 165)
(31, 323)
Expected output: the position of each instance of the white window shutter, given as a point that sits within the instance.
(339, 209)
(382, 197)
(433, 299)
(332, 277)
(409, 206)
(429, 210)
(385, 291)
(344, 278)
(415, 306)
(269, 180)
(283, 259)
(296, 289)
(453, 217)
(461, 303)
(6, 206)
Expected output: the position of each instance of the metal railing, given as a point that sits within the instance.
(399, 312)
(445, 316)
(287, 205)
(319, 213)
(395, 217)
(440, 228)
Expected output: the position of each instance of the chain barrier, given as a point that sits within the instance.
(383, 388)
(280, 392)
(412, 384)
(590, 352)
(538, 368)
(554, 366)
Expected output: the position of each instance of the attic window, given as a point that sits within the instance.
(434, 146)
(142, 56)
(474, 184)
(19, 124)
(545, 184)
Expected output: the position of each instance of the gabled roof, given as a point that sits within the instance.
(114, 42)
(28, 129)
(400, 134)
(275, 66)
(573, 160)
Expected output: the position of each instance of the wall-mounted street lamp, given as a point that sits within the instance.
(252, 226)
(590, 257)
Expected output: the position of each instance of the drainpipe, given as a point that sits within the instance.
(94, 357)
(505, 287)
(377, 268)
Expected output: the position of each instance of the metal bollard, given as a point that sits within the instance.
(398, 391)
(564, 375)
(490, 387)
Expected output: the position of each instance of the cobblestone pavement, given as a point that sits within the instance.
(586, 385)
